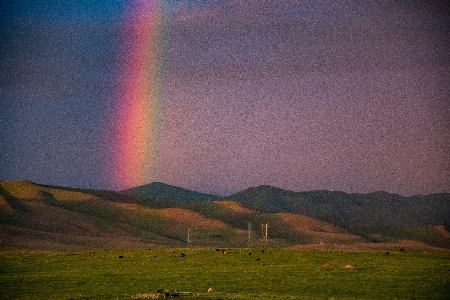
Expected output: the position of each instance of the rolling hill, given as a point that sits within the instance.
(39, 216)
(35, 216)
(377, 216)
(159, 190)
(373, 208)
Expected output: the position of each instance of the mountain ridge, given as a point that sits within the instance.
(35, 215)
(161, 190)
(332, 205)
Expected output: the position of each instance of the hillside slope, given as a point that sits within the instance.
(38, 216)
(371, 208)
(378, 216)
(159, 190)
(34, 216)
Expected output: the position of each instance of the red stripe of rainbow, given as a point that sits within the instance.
(137, 95)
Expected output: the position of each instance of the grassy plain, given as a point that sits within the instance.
(274, 274)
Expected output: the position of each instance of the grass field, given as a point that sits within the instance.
(274, 274)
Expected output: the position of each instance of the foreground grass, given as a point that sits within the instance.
(274, 274)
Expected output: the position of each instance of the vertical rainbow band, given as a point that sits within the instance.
(137, 95)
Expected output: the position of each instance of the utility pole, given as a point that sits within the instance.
(249, 233)
(189, 235)
(264, 235)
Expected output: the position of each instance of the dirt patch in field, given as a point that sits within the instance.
(348, 267)
(146, 296)
(327, 266)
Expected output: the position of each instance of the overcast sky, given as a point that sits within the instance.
(303, 95)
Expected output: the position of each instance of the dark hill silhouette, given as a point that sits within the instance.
(376, 207)
(265, 198)
(340, 207)
(376, 216)
(159, 190)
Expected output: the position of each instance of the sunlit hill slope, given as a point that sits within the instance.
(35, 216)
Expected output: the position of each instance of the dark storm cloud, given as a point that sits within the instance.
(273, 39)
(55, 79)
(341, 95)
(310, 94)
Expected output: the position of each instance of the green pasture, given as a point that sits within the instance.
(274, 274)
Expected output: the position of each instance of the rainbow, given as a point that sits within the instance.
(137, 94)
